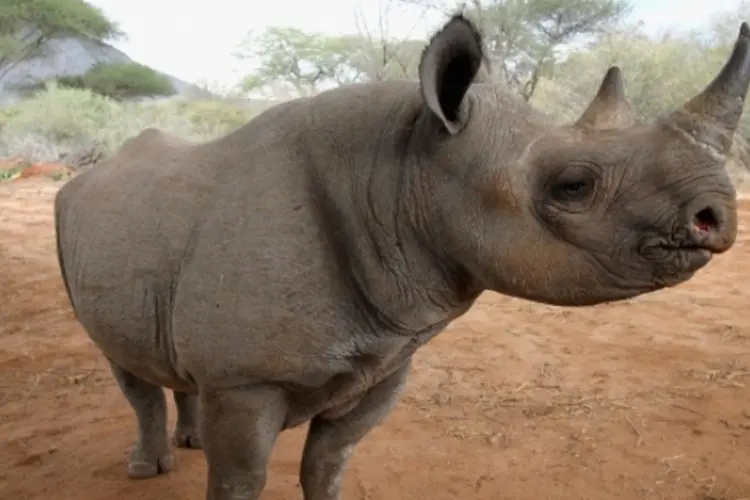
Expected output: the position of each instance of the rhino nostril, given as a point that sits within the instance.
(706, 220)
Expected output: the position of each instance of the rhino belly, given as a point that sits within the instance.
(131, 325)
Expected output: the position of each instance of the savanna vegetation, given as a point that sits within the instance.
(552, 53)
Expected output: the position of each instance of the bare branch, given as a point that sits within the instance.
(385, 53)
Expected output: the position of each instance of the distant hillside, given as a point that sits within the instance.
(73, 57)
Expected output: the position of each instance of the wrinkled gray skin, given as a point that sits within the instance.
(288, 271)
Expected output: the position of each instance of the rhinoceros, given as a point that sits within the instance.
(286, 272)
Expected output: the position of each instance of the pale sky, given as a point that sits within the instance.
(194, 39)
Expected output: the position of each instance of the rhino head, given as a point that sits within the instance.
(603, 209)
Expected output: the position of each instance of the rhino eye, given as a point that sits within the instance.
(574, 185)
(574, 191)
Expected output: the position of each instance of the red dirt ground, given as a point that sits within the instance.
(28, 170)
(646, 399)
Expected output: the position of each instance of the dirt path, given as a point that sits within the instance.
(638, 400)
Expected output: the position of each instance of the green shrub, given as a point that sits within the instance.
(60, 120)
(61, 114)
(6, 114)
(121, 81)
(211, 114)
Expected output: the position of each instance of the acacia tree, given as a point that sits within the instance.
(26, 26)
(121, 81)
(382, 56)
(523, 38)
(292, 59)
(289, 60)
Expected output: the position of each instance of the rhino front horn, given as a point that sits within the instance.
(713, 115)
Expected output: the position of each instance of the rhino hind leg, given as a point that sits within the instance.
(330, 443)
(151, 454)
(186, 431)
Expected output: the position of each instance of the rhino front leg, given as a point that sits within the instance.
(186, 431)
(239, 428)
(151, 454)
(330, 442)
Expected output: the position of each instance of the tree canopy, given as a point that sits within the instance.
(522, 39)
(27, 25)
(121, 81)
(303, 63)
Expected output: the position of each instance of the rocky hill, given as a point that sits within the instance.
(72, 57)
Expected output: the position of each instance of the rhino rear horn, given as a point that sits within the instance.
(712, 116)
(610, 108)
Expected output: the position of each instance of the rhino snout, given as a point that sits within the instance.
(712, 225)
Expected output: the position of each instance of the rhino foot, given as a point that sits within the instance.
(145, 467)
(186, 431)
(187, 437)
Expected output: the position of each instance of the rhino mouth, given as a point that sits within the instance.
(661, 250)
(675, 260)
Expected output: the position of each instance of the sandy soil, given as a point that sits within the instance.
(647, 399)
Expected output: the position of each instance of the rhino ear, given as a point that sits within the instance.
(449, 64)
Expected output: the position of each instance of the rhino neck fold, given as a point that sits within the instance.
(381, 227)
(400, 286)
